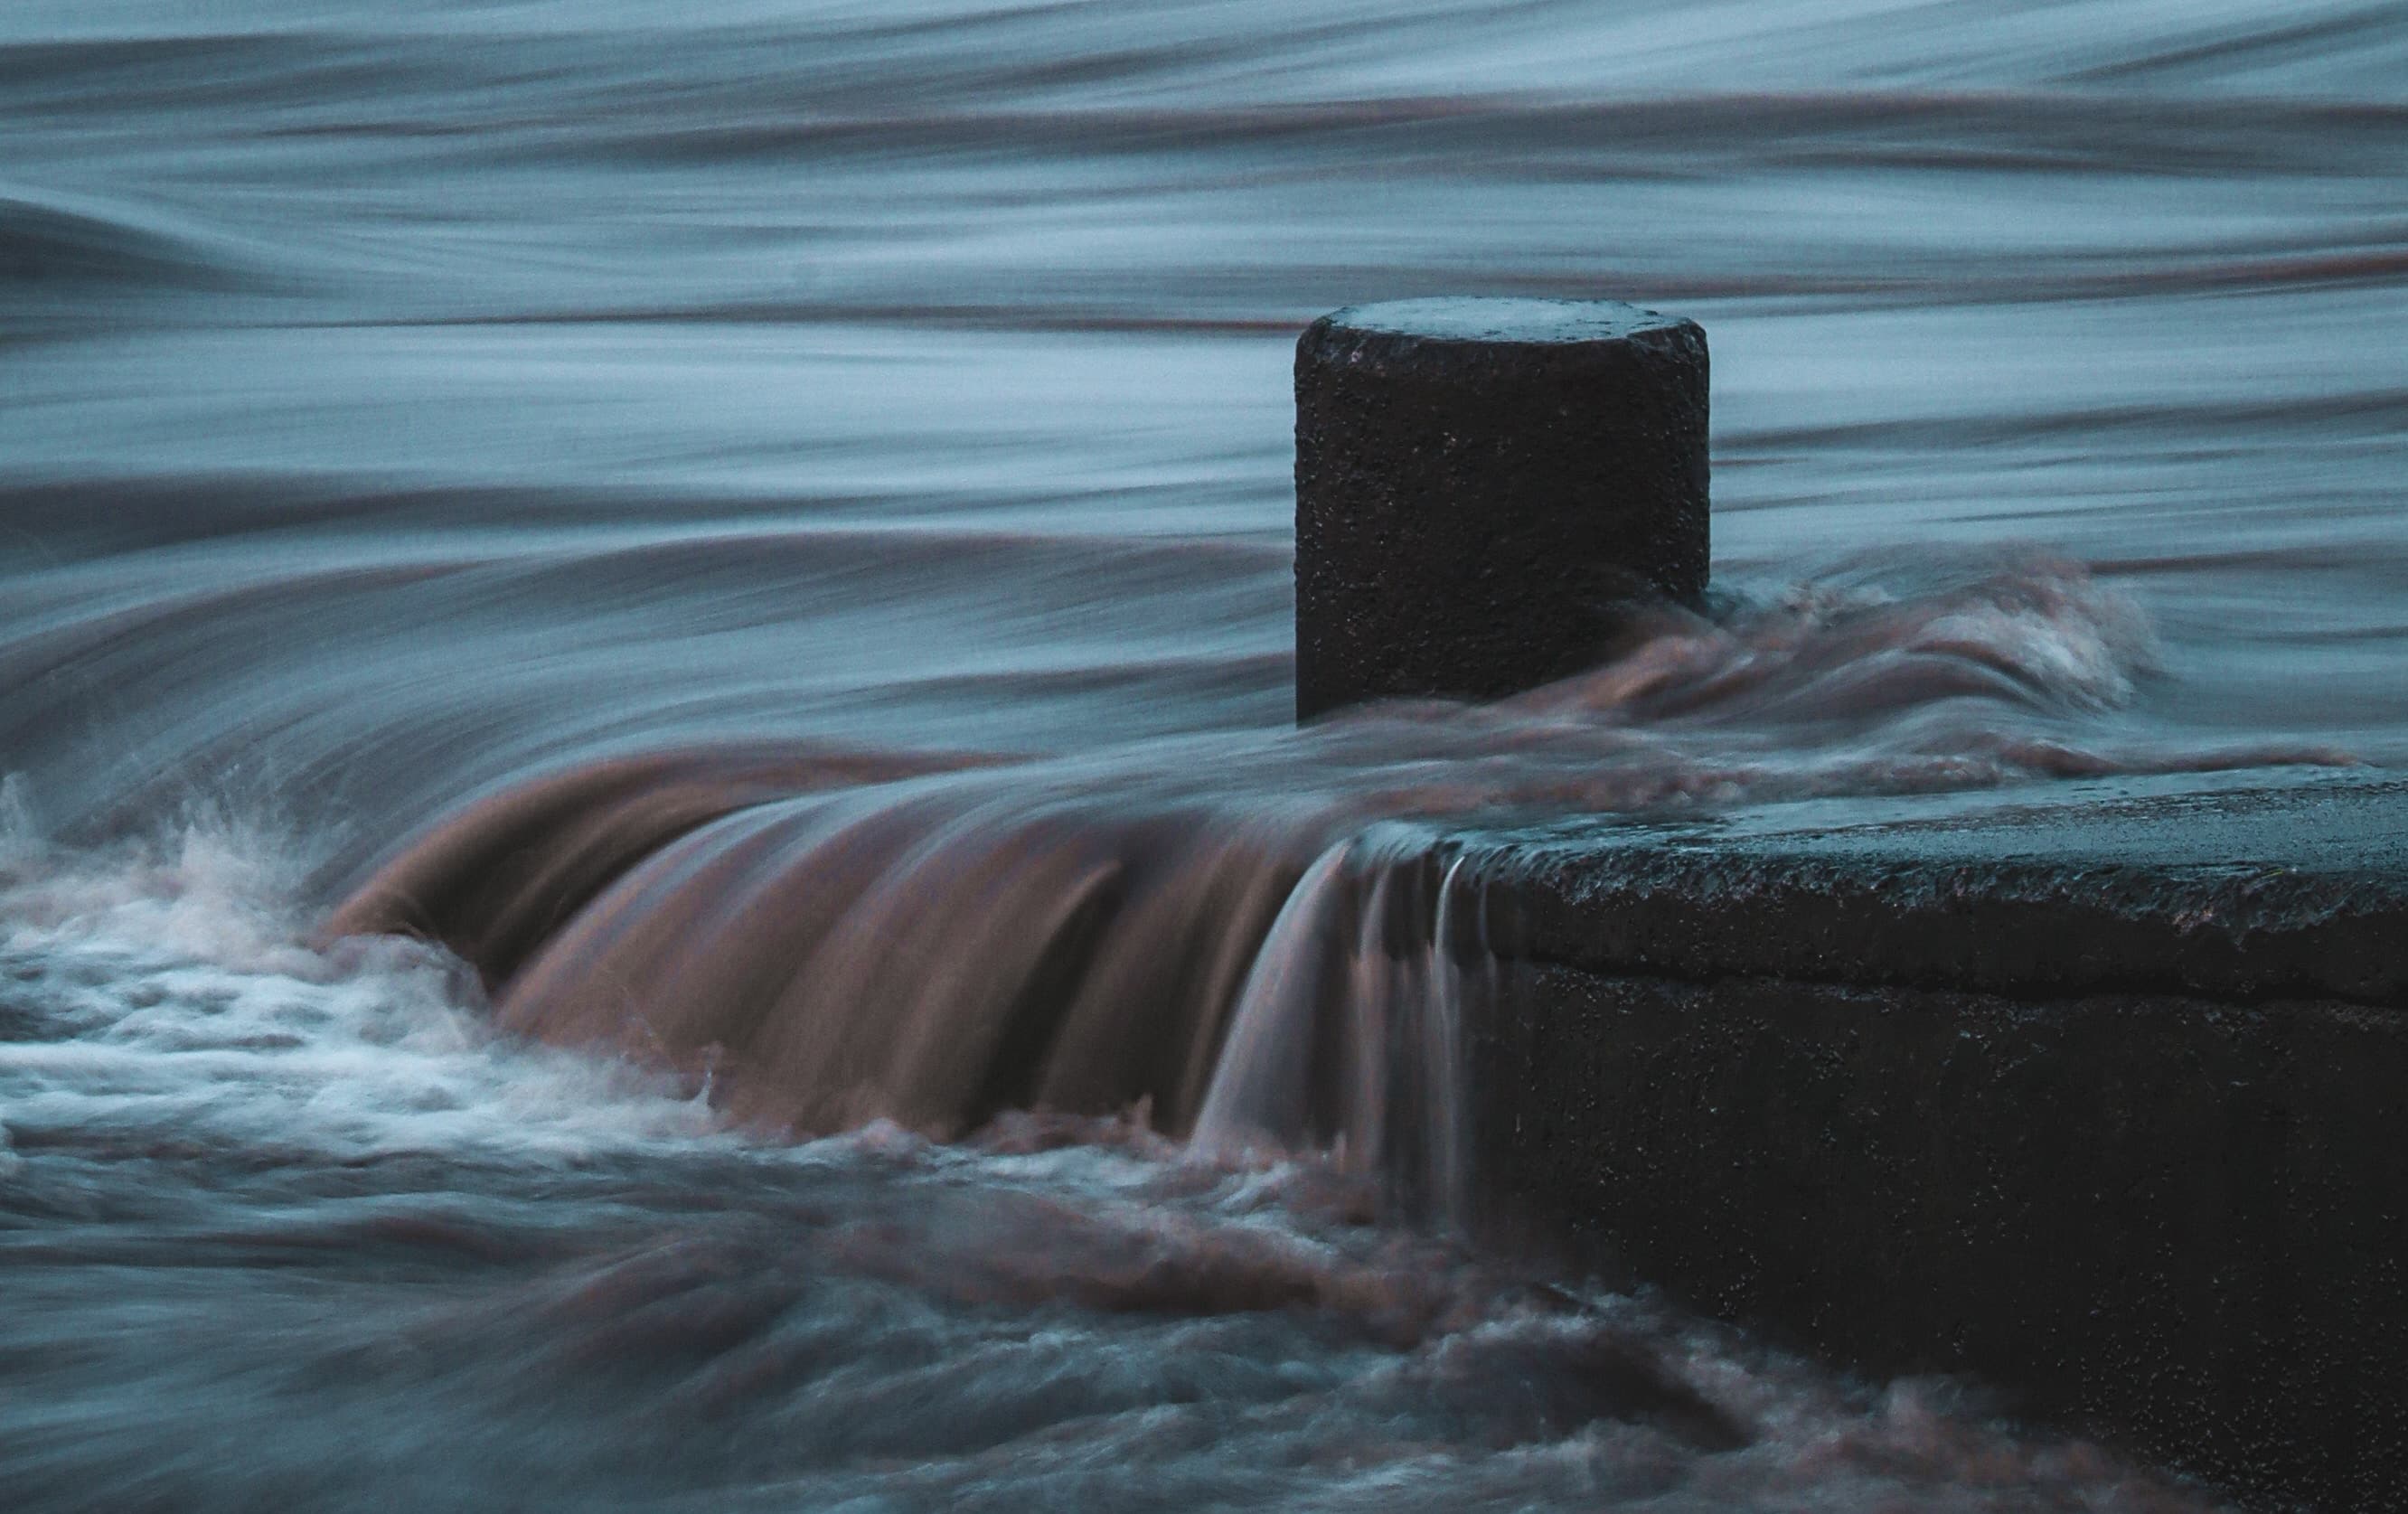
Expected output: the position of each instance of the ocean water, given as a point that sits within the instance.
(756, 536)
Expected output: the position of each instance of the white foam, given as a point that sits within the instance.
(179, 1003)
(20, 830)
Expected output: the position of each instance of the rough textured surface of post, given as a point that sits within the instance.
(1483, 488)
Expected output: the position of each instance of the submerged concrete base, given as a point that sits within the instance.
(2105, 1105)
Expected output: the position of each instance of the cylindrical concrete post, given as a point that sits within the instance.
(1484, 487)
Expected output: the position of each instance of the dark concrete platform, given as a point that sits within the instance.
(2102, 1101)
(2299, 889)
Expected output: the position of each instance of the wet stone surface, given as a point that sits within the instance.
(2097, 1101)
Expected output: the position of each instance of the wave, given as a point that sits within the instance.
(969, 50)
(1859, 644)
(1230, 934)
(52, 246)
(160, 1000)
(413, 1258)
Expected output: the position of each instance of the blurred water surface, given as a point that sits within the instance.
(399, 405)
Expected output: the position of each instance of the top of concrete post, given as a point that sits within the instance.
(1512, 322)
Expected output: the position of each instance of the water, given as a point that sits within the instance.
(765, 530)
(297, 1228)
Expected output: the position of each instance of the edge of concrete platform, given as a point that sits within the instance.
(2098, 1102)
(2297, 891)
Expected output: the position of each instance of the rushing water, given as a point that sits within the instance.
(762, 528)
